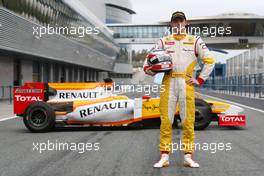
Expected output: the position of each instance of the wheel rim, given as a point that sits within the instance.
(38, 117)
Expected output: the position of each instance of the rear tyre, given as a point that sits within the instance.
(39, 117)
(203, 114)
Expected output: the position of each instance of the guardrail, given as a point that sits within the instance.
(6, 93)
(250, 91)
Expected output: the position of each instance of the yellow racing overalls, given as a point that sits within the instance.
(185, 51)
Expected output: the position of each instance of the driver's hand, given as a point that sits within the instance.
(149, 72)
(192, 81)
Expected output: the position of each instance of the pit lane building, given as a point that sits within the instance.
(25, 56)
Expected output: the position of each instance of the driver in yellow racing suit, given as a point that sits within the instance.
(179, 86)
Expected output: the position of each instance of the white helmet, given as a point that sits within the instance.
(159, 60)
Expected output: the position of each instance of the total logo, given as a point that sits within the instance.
(232, 120)
(27, 98)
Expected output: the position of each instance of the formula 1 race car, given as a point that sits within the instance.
(43, 106)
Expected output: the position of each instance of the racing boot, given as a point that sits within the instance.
(163, 162)
(188, 161)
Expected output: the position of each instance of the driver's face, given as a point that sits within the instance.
(178, 25)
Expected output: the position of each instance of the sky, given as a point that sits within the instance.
(153, 11)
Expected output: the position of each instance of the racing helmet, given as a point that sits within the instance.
(159, 60)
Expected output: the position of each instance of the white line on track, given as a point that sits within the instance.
(7, 118)
(231, 102)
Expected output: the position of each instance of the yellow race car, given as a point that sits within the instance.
(43, 106)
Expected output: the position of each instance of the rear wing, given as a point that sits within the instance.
(25, 95)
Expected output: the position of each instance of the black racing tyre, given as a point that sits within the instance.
(39, 117)
(203, 114)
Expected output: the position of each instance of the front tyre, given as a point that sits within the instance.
(39, 117)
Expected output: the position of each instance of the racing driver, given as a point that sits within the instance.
(186, 50)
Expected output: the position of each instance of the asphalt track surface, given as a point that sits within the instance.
(131, 151)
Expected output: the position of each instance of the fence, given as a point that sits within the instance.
(6, 93)
(244, 85)
(251, 91)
